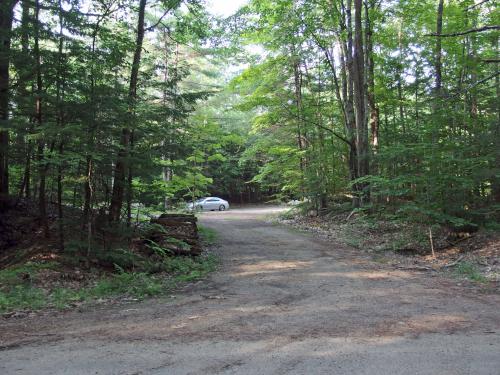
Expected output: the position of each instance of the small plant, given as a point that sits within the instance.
(469, 270)
(179, 243)
(133, 284)
(157, 249)
(22, 297)
(289, 214)
(26, 273)
(18, 291)
(353, 242)
(208, 235)
(149, 229)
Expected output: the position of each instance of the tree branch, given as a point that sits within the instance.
(152, 27)
(471, 86)
(491, 60)
(476, 5)
(167, 11)
(331, 131)
(470, 31)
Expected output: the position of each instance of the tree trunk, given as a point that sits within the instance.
(496, 133)
(359, 101)
(6, 17)
(300, 117)
(347, 73)
(129, 183)
(399, 77)
(25, 72)
(374, 111)
(438, 52)
(60, 121)
(42, 167)
(166, 170)
(123, 154)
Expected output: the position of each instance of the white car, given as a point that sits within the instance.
(208, 204)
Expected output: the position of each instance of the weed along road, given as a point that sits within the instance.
(282, 302)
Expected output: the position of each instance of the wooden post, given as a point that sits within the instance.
(432, 242)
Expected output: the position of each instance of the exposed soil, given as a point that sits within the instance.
(282, 302)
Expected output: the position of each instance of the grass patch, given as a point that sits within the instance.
(289, 214)
(353, 242)
(25, 273)
(469, 271)
(22, 297)
(16, 286)
(208, 235)
(187, 269)
(18, 289)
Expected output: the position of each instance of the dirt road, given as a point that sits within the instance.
(282, 303)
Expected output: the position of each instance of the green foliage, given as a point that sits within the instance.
(189, 269)
(22, 297)
(16, 289)
(26, 272)
(23, 293)
(120, 257)
(207, 235)
(136, 284)
(288, 214)
(157, 249)
(437, 157)
(469, 270)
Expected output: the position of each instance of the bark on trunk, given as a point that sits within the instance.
(25, 72)
(6, 16)
(359, 101)
(300, 118)
(60, 121)
(438, 53)
(347, 73)
(496, 133)
(373, 108)
(42, 167)
(123, 154)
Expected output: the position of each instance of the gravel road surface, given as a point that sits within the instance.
(282, 302)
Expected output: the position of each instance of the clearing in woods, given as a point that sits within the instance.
(282, 302)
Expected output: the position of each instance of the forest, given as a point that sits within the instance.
(114, 108)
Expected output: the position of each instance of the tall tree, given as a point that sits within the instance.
(6, 18)
(43, 165)
(359, 100)
(438, 49)
(370, 75)
(122, 162)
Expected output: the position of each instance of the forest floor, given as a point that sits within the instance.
(282, 302)
(123, 264)
(473, 259)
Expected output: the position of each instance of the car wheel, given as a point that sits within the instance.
(222, 207)
(199, 208)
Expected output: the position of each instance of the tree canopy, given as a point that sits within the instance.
(389, 106)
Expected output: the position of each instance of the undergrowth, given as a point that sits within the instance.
(469, 271)
(22, 287)
(208, 235)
